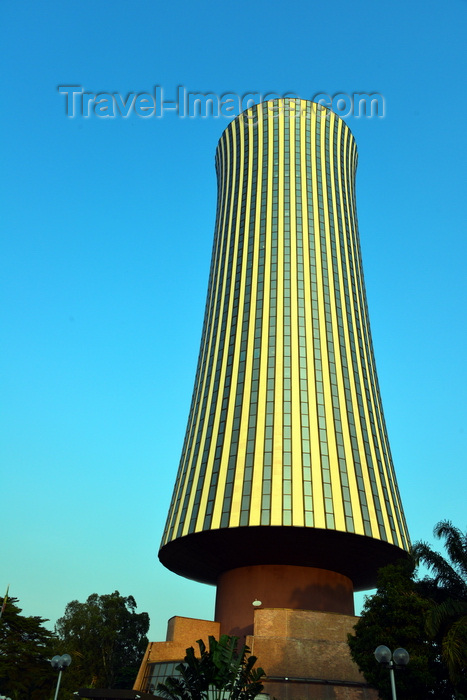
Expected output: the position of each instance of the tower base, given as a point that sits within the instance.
(278, 586)
(306, 656)
(303, 652)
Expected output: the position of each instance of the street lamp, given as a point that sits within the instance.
(398, 659)
(60, 662)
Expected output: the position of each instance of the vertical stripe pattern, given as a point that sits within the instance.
(286, 426)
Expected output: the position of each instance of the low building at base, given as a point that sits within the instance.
(303, 652)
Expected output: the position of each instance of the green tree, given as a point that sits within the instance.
(395, 616)
(446, 620)
(106, 639)
(26, 647)
(219, 672)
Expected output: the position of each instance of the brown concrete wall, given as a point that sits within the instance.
(318, 691)
(187, 630)
(182, 632)
(305, 653)
(278, 586)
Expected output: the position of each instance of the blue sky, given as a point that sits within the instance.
(105, 253)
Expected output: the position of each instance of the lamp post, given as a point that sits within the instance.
(60, 662)
(398, 659)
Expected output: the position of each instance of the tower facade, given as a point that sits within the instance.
(286, 489)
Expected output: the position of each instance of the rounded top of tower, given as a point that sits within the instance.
(286, 106)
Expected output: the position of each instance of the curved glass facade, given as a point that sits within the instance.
(286, 427)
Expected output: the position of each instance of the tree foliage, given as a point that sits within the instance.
(106, 639)
(395, 616)
(25, 649)
(446, 620)
(221, 671)
(428, 617)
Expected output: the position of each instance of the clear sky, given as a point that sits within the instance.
(107, 228)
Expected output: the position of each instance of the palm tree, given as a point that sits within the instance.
(219, 673)
(447, 617)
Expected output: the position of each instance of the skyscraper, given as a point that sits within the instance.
(286, 490)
